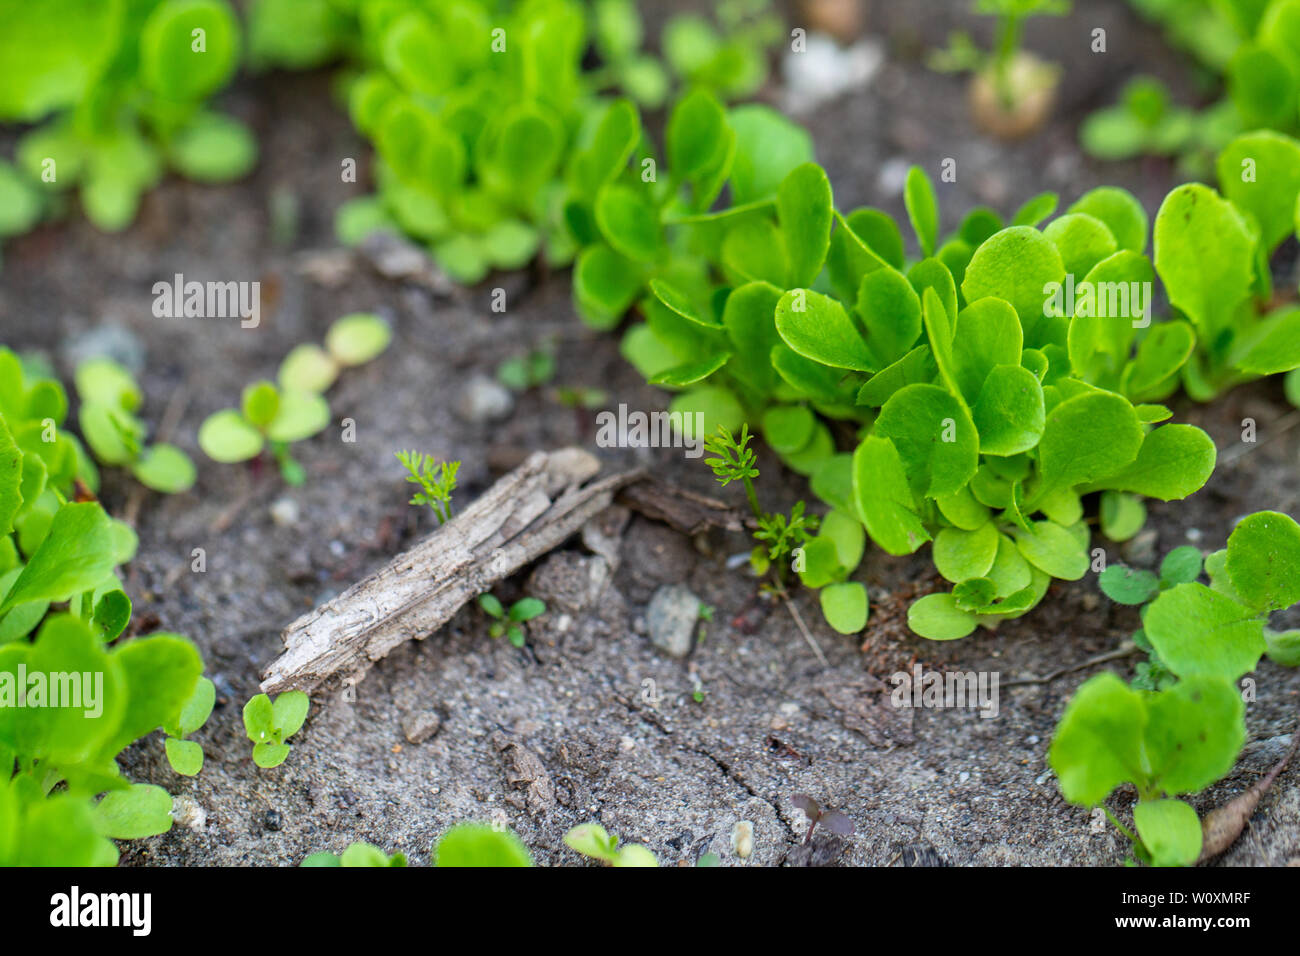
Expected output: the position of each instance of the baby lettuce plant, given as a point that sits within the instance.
(973, 378)
(472, 112)
(507, 623)
(1253, 45)
(592, 840)
(186, 756)
(277, 414)
(1180, 726)
(1212, 252)
(436, 480)
(268, 725)
(120, 90)
(357, 854)
(109, 400)
(1011, 91)
(74, 693)
(477, 844)
(1165, 743)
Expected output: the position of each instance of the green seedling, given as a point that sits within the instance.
(592, 840)
(276, 415)
(109, 399)
(357, 854)
(1252, 45)
(63, 609)
(527, 371)
(1012, 90)
(269, 725)
(477, 844)
(831, 820)
(437, 480)
(186, 756)
(1180, 726)
(507, 623)
(119, 94)
(729, 58)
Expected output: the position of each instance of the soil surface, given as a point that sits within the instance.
(590, 722)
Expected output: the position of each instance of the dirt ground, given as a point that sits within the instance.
(590, 722)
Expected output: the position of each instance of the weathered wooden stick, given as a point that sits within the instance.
(527, 513)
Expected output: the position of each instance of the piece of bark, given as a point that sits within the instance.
(681, 509)
(527, 513)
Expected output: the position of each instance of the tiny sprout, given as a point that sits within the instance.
(832, 820)
(186, 756)
(358, 854)
(268, 725)
(436, 480)
(507, 624)
(593, 840)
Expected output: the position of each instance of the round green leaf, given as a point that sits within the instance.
(356, 339)
(1264, 560)
(937, 617)
(165, 468)
(188, 48)
(141, 810)
(227, 437)
(845, 606)
(307, 368)
(817, 327)
(959, 555)
(1170, 830)
(301, 415)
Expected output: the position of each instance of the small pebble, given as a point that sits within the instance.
(188, 813)
(484, 400)
(272, 820)
(671, 617)
(420, 727)
(963, 776)
(285, 512)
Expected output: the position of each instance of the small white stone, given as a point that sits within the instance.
(188, 813)
(285, 512)
(963, 776)
(742, 839)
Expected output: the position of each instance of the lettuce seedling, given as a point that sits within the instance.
(437, 480)
(277, 415)
(109, 399)
(59, 551)
(268, 725)
(593, 840)
(124, 87)
(1181, 724)
(1012, 91)
(186, 756)
(507, 623)
(477, 844)
(1252, 45)
(357, 854)
(1165, 743)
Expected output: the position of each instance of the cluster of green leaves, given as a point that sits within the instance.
(593, 840)
(293, 408)
(63, 613)
(478, 112)
(268, 725)
(507, 623)
(1181, 725)
(437, 481)
(109, 400)
(999, 64)
(124, 86)
(1255, 44)
(973, 389)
